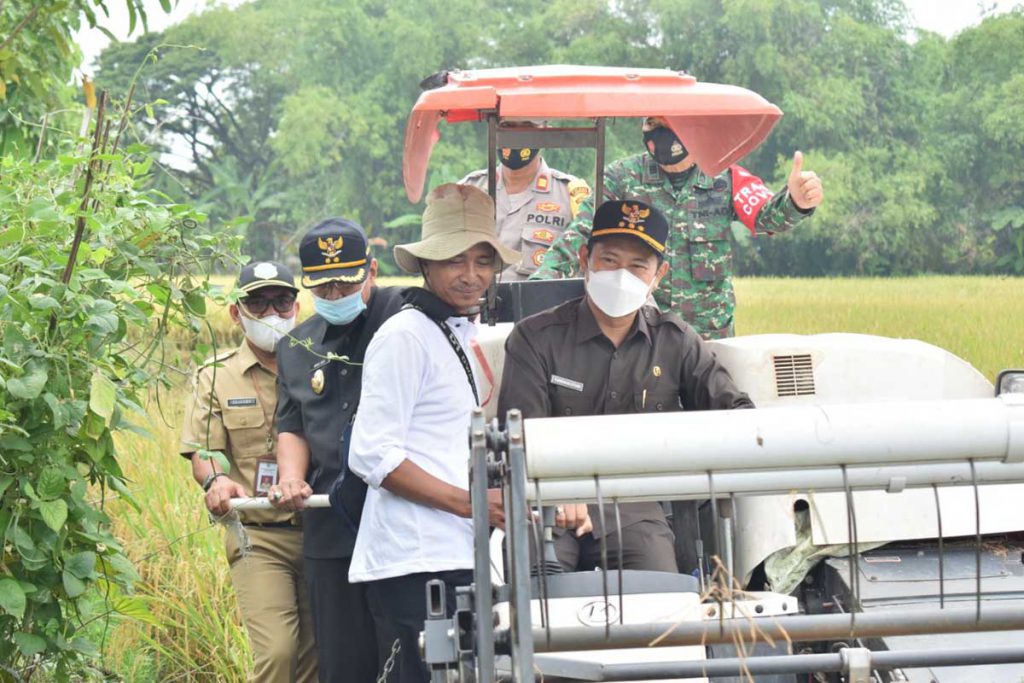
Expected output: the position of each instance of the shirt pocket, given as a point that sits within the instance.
(247, 431)
(710, 250)
(657, 401)
(535, 240)
(566, 403)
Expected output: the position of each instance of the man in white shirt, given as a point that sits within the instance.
(410, 439)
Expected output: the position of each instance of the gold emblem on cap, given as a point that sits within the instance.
(330, 247)
(657, 371)
(634, 216)
(317, 382)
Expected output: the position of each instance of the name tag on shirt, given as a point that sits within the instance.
(567, 383)
(241, 402)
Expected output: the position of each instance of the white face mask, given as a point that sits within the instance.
(617, 292)
(265, 332)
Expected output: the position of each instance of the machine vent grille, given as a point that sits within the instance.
(794, 375)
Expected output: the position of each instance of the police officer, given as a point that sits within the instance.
(318, 393)
(535, 203)
(700, 210)
(232, 410)
(609, 353)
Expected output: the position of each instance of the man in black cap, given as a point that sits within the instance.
(609, 353)
(232, 410)
(319, 380)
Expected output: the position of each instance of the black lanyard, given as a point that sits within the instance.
(456, 347)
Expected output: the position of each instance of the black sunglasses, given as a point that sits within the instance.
(258, 305)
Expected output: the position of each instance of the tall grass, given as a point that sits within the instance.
(980, 319)
(180, 556)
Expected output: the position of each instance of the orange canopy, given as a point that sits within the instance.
(719, 124)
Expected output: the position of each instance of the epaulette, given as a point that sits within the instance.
(562, 175)
(474, 175)
(222, 356)
(656, 317)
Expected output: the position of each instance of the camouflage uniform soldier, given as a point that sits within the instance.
(700, 210)
(535, 204)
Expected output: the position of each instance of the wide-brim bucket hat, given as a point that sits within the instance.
(457, 218)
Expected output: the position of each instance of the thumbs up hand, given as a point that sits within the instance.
(804, 186)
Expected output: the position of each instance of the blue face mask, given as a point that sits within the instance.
(340, 311)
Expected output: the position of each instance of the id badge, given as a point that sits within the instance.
(266, 476)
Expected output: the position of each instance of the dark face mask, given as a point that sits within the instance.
(664, 146)
(516, 158)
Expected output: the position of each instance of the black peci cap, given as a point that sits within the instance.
(258, 274)
(631, 217)
(335, 250)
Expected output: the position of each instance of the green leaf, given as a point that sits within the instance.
(73, 585)
(217, 457)
(41, 209)
(12, 598)
(11, 234)
(195, 302)
(104, 323)
(102, 395)
(135, 608)
(29, 644)
(82, 565)
(51, 483)
(14, 442)
(54, 513)
(60, 412)
(118, 485)
(28, 386)
(42, 302)
(5, 481)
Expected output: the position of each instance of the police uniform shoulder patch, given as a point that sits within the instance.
(543, 183)
(578, 191)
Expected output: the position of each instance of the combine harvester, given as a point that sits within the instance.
(862, 524)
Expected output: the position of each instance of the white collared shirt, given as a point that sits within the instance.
(416, 403)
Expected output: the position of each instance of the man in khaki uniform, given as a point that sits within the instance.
(534, 203)
(232, 411)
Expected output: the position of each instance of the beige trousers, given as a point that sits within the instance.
(272, 597)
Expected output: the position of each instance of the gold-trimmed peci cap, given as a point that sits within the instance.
(336, 250)
(634, 218)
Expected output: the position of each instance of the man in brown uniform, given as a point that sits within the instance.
(609, 353)
(232, 410)
(534, 204)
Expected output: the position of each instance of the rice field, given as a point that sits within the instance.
(196, 634)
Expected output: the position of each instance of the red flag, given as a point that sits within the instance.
(749, 196)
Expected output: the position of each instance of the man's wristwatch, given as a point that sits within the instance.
(208, 482)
